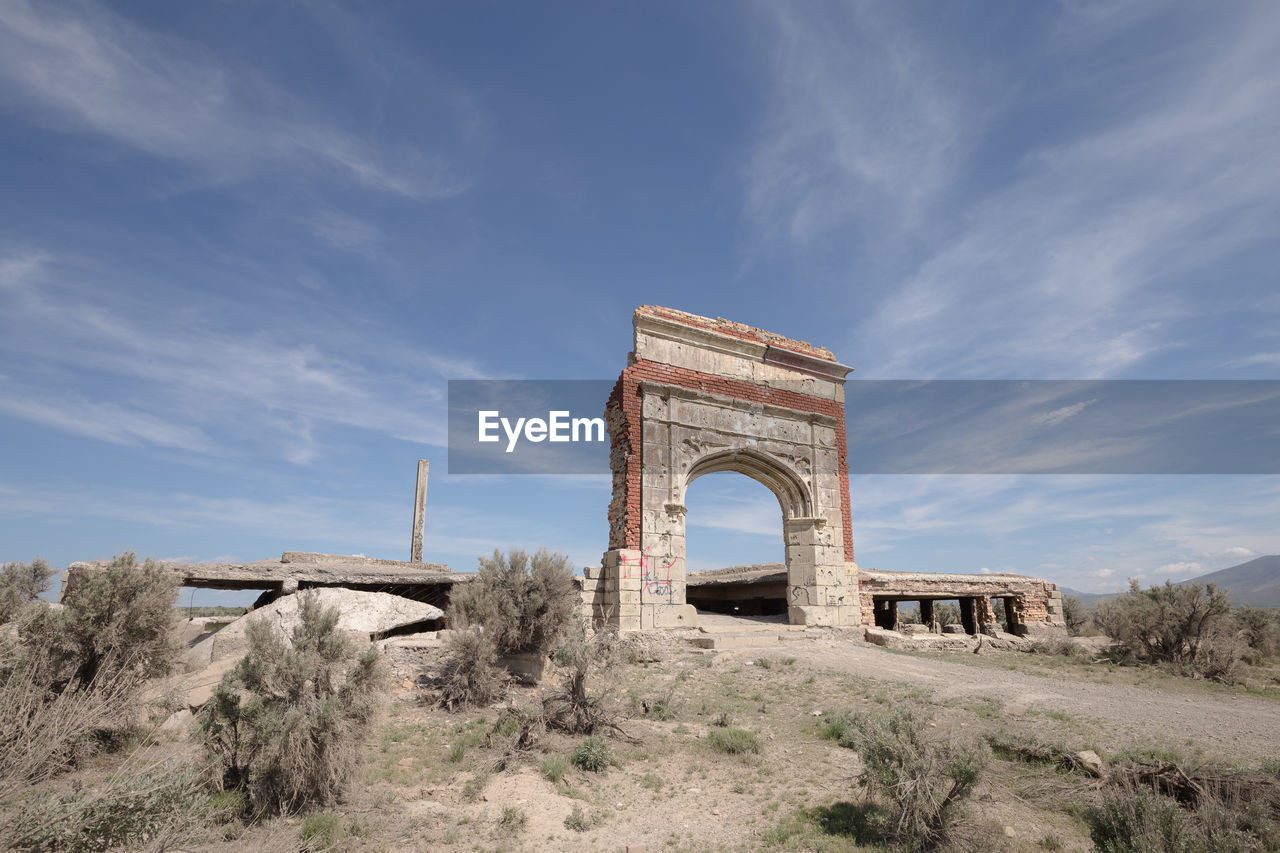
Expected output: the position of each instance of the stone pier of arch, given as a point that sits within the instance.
(702, 395)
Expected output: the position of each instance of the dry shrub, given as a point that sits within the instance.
(471, 674)
(287, 724)
(21, 584)
(1056, 646)
(923, 781)
(1185, 625)
(45, 730)
(119, 617)
(523, 604)
(514, 734)
(574, 708)
(1134, 818)
(69, 677)
(1259, 628)
(143, 805)
(1075, 615)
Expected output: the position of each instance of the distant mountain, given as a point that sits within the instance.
(1088, 599)
(1255, 583)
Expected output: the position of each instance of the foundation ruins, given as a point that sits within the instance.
(700, 395)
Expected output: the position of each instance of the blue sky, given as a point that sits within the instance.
(243, 246)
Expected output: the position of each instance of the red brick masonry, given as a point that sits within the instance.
(625, 418)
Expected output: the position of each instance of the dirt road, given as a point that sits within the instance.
(1236, 725)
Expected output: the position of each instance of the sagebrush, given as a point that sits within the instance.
(287, 724)
(471, 675)
(1184, 625)
(921, 781)
(150, 805)
(523, 603)
(575, 707)
(70, 677)
(21, 584)
(120, 617)
(1137, 819)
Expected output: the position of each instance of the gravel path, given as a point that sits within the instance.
(1235, 726)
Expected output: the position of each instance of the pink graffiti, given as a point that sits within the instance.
(653, 585)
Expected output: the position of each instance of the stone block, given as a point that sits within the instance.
(669, 616)
(811, 615)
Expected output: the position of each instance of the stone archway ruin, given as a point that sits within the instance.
(700, 396)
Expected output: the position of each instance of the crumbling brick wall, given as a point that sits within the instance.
(623, 416)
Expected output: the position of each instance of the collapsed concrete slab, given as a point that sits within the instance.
(367, 615)
(428, 582)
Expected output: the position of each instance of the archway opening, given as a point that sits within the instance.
(734, 547)
(932, 615)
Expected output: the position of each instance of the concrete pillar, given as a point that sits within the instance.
(419, 513)
(926, 612)
(967, 615)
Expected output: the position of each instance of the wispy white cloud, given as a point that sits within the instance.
(1084, 529)
(864, 125)
(1079, 254)
(191, 374)
(1057, 416)
(82, 67)
(1260, 358)
(1180, 571)
(104, 421)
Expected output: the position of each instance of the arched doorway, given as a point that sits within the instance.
(735, 551)
(701, 397)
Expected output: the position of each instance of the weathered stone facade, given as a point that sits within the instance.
(1032, 605)
(700, 396)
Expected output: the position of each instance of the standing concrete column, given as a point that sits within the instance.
(926, 612)
(419, 513)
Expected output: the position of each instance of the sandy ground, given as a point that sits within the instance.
(1235, 725)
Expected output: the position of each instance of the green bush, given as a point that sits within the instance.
(1164, 623)
(554, 766)
(733, 741)
(21, 584)
(512, 821)
(523, 604)
(471, 675)
(322, 831)
(593, 754)
(1259, 628)
(839, 727)
(946, 612)
(69, 685)
(924, 782)
(287, 723)
(118, 618)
